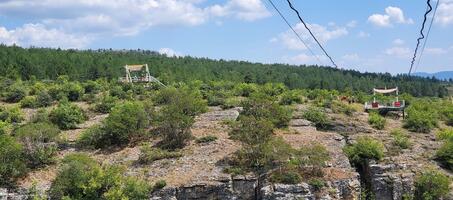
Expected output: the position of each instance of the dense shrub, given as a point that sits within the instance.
(126, 122)
(431, 184)
(312, 159)
(273, 89)
(4, 127)
(73, 90)
(159, 184)
(43, 99)
(285, 177)
(67, 115)
(81, 177)
(400, 139)
(421, 117)
(445, 154)
(376, 121)
(363, 150)
(177, 116)
(445, 134)
(262, 108)
(39, 144)
(28, 102)
(340, 107)
(117, 91)
(105, 104)
(15, 93)
(206, 139)
(91, 87)
(289, 97)
(12, 161)
(245, 89)
(149, 154)
(11, 114)
(317, 116)
(260, 149)
(317, 184)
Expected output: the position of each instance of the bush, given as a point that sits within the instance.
(67, 116)
(400, 139)
(117, 91)
(159, 184)
(206, 139)
(126, 122)
(431, 184)
(11, 114)
(376, 121)
(289, 97)
(15, 93)
(81, 177)
(106, 104)
(260, 149)
(312, 157)
(262, 108)
(273, 89)
(363, 150)
(445, 134)
(12, 162)
(245, 89)
(73, 90)
(317, 116)
(28, 102)
(421, 117)
(177, 116)
(39, 144)
(91, 87)
(43, 99)
(285, 177)
(150, 154)
(445, 154)
(340, 107)
(317, 184)
(4, 127)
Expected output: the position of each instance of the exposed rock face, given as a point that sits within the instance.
(239, 187)
(388, 183)
(8, 195)
(249, 188)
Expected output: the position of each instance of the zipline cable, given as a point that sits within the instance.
(295, 32)
(430, 8)
(427, 37)
(312, 35)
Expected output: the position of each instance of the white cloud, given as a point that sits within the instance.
(38, 35)
(324, 34)
(101, 18)
(363, 34)
(169, 52)
(445, 13)
(400, 52)
(392, 15)
(398, 41)
(351, 57)
(435, 51)
(303, 58)
(248, 10)
(352, 24)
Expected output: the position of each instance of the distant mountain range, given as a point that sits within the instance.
(444, 75)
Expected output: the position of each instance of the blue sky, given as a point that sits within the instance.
(365, 35)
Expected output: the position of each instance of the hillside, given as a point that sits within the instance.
(42, 63)
(106, 140)
(444, 75)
